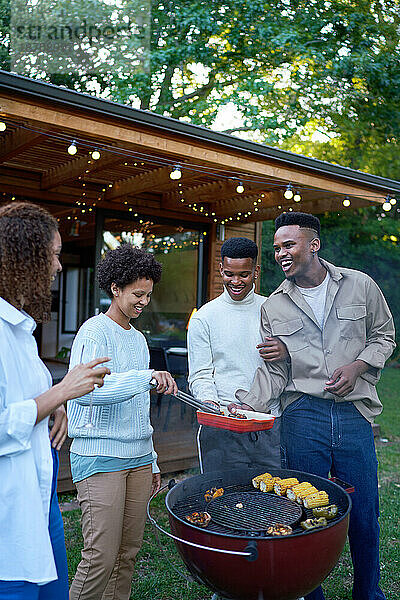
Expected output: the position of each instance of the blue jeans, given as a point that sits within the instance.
(55, 590)
(324, 437)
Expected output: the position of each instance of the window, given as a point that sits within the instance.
(176, 247)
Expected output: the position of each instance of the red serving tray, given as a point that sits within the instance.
(234, 424)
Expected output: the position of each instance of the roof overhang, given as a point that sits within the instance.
(138, 149)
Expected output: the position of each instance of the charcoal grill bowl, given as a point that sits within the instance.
(286, 567)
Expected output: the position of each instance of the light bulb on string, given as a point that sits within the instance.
(386, 206)
(297, 197)
(3, 126)
(288, 193)
(176, 172)
(72, 149)
(391, 199)
(346, 202)
(95, 155)
(240, 188)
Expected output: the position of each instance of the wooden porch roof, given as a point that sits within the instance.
(138, 150)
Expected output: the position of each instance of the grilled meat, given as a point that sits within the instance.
(279, 529)
(201, 519)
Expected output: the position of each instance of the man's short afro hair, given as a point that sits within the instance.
(300, 219)
(239, 247)
(124, 265)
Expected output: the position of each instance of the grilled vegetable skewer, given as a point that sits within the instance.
(328, 512)
(314, 523)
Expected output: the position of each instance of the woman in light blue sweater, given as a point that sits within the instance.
(113, 462)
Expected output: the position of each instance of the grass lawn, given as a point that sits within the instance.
(155, 578)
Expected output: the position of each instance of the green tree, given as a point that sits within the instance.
(292, 69)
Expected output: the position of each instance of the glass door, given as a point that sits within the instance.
(176, 247)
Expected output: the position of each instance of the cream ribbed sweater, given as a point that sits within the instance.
(121, 408)
(222, 339)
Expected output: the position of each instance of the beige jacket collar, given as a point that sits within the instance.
(289, 288)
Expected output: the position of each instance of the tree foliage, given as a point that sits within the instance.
(291, 68)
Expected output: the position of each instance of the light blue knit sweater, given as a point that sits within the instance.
(121, 408)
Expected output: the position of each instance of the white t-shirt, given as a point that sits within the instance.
(315, 298)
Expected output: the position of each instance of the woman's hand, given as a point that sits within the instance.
(83, 378)
(155, 486)
(78, 382)
(58, 432)
(165, 382)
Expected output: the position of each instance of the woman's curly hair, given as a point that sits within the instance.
(124, 265)
(26, 234)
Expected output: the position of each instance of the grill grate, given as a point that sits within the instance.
(196, 502)
(257, 513)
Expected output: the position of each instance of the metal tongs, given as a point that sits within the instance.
(194, 403)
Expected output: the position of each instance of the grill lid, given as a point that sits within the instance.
(258, 512)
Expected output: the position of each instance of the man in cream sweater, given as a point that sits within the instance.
(225, 349)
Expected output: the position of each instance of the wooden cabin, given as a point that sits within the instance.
(112, 174)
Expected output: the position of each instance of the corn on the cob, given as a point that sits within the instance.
(314, 500)
(267, 485)
(257, 480)
(281, 486)
(292, 492)
(304, 493)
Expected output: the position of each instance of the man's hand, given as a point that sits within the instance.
(344, 378)
(211, 403)
(235, 407)
(156, 484)
(272, 350)
(58, 432)
(165, 382)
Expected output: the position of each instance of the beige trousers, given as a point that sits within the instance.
(113, 518)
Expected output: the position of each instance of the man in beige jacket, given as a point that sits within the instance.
(339, 332)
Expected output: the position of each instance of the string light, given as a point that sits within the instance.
(72, 149)
(176, 172)
(288, 193)
(95, 155)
